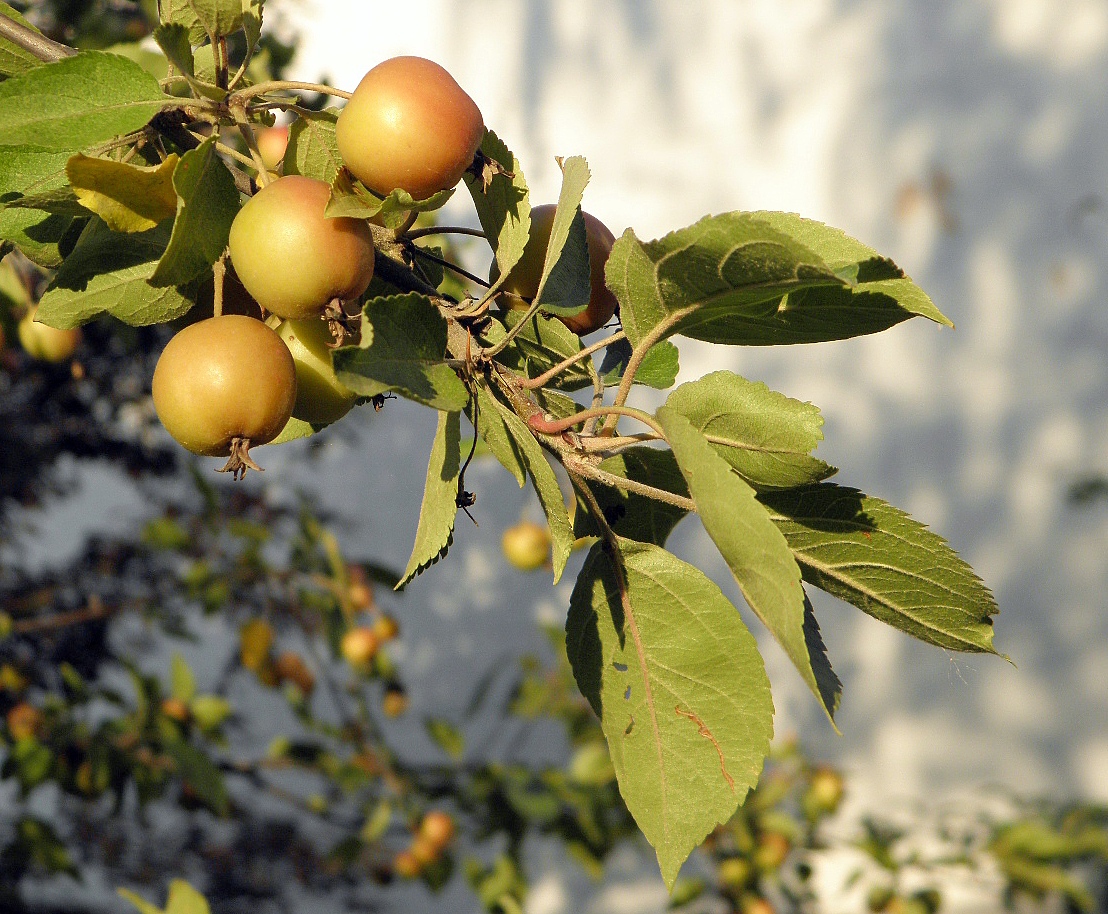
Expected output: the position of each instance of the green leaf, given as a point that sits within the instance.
(109, 273)
(630, 514)
(312, 149)
(184, 899)
(546, 487)
(676, 678)
(61, 201)
(766, 437)
(352, 199)
(754, 549)
(129, 198)
(868, 273)
(494, 432)
(210, 711)
(14, 59)
(565, 286)
(78, 101)
(219, 18)
(876, 557)
(759, 279)
(204, 18)
(658, 369)
(207, 203)
(294, 430)
(377, 822)
(252, 11)
(446, 736)
(182, 682)
(173, 39)
(733, 267)
(200, 773)
(405, 353)
(28, 171)
(543, 343)
(435, 532)
(153, 61)
(37, 841)
(181, 13)
(504, 207)
(829, 686)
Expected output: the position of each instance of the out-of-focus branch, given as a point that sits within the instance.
(45, 49)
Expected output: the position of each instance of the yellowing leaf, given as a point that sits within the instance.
(130, 198)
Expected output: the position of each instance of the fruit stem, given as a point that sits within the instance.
(252, 144)
(286, 85)
(445, 230)
(219, 272)
(32, 42)
(556, 426)
(635, 361)
(442, 262)
(239, 461)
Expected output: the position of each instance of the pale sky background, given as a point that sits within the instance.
(963, 138)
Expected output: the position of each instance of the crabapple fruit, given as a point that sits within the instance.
(410, 126)
(290, 257)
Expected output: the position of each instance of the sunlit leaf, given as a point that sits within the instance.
(405, 354)
(765, 436)
(207, 203)
(78, 101)
(876, 557)
(129, 198)
(110, 273)
(312, 149)
(666, 662)
(439, 509)
(754, 549)
(503, 207)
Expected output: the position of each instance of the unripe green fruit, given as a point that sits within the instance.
(47, 344)
(291, 257)
(824, 794)
(222, 379)
(320, 398)
(526, 545)
(771, 851)
(523, 281)
(409, 125)
(734, 872)
(592, 765)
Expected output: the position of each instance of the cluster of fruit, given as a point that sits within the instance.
(231, 381)
(435, 832)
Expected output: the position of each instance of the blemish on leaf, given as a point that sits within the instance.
(630, 726)
(627, 694)
(707, 734)
(622, 667)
